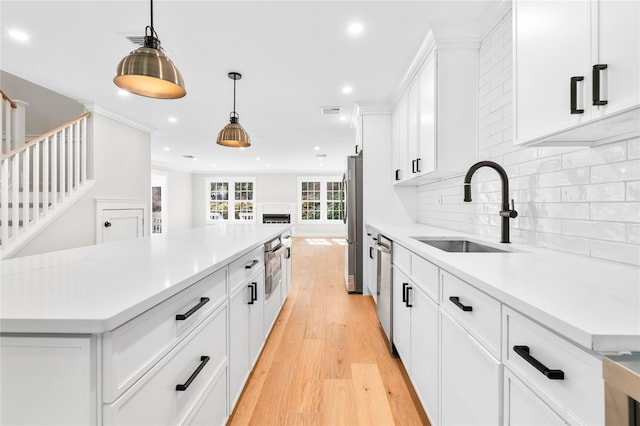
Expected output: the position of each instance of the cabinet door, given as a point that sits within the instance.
(213, 408)
(412, 126)
(256, 321)
(551, 45)
(523, 408)
(48, 380)
(401, 317)
(372, 267)
(239, 366)
(618, 47)
(427, 123)
(471, 381)
(400, 127)
(424, 351)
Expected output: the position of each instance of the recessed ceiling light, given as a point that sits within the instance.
(355, 28)
(343, 118)
(18, 35)
(317, 148)
(242, 148)
(347, 89)
(123, 93)
(166, 148)
(257, 158)
(268, 165)
(173, 120)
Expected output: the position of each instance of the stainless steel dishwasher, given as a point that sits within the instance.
(384, 290)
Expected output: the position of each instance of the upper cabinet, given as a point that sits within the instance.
(435, 120)
(576, 71)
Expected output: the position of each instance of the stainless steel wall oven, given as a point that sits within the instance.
(274, 252)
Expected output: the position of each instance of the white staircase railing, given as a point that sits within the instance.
(12, 123)
(37, 178)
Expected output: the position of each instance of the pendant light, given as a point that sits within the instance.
(147, 71)
(233, 134)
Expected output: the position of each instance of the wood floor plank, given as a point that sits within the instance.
(372, 406)
(305, 374)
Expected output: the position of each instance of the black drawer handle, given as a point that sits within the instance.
(254, 292)
(456, 301)
(288, 255)
(370, 252)
(404, 292)
(413, 166)
(203, 361)
(203, 301)
(596, 84)
(397, 174)
(574, 95)
(253, 263)
(251, 295)
(418, 165)
(523, 351)
(407, 304)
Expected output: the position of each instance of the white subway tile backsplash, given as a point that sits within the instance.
(633, 191)
(633, 233)
(619, 252)
(633, 148)
(593, 156)
(584, 200)
(598, 192)
(612, 231)
(616, 212)
(615, 172)
(564, 243)
(564, 177)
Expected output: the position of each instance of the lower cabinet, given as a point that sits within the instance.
(523, 407)
(211, 411)
(415, 336)
(471, 379)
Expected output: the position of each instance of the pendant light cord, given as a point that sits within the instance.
(151, 8)
(234, 97)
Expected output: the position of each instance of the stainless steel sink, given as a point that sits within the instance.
(459, 245)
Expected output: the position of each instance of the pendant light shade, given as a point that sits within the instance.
(233, 135)
(147, 71)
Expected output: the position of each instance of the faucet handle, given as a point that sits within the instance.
(513, 213)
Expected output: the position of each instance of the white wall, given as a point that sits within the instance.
(280, 188)
(579, 200)
(121, 166)
(179, 199)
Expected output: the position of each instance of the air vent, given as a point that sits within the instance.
(137, 40)
(330, 110)
(189, 156)
(321, 155)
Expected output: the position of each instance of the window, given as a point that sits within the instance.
(230, 199)
(320, 199)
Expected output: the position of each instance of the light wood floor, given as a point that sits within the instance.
(325, 362)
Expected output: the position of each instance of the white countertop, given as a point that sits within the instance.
(97, 288)
(592, 302)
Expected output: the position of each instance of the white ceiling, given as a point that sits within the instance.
(295, 56)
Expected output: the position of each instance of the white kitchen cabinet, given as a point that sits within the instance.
(372, 265)
(415, 328)
(471, 378)
(523, 408)
(435, 120)
(58, 370)
(557, 45)
(256, 321)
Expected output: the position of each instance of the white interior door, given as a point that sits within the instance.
(121, 224)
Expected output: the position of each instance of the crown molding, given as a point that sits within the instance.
(93, 108)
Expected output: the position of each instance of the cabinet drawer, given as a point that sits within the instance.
(130, 350)
(474, 310)
(425, 274)
(402, 258)
(243, 268)
(154, 400)
(523, 407)
(580, 394)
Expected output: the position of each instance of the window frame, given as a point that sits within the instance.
(324, 180)
(231, 198)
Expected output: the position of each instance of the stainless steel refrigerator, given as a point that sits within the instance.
(353, 219)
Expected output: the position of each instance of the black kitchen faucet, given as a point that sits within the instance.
(505, 213)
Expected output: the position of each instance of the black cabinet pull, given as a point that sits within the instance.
(370, 252)
(288, 255)
(417, 165)
(574, 95)
(523, 351)
(357, 146)
(404, 292)
(253, 263)
(413, 166)
(203, 301)
(107, 224)
(456, 301)
(596, 84)
(407, 304)
(203, 361)
(254, 292)
(397, 174)
(251, 299)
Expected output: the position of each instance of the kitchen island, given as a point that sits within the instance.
(520, 333)
(122, 333)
